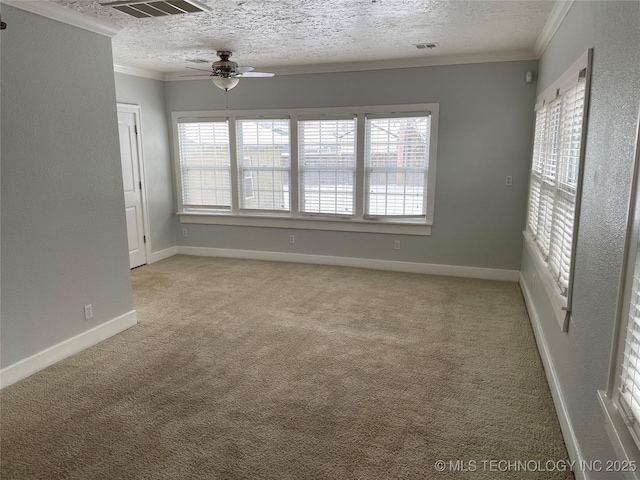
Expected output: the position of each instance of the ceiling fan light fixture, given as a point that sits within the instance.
(225, 83)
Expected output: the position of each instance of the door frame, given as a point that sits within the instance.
(135, 109)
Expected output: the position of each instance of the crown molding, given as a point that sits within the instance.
(560, 10)
(51, 10)
(139, 72)
(440, 60)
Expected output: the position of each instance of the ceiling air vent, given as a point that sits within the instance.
(146, 9)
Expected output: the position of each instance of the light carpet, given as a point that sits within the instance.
(245, 369)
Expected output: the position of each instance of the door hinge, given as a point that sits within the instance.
(140, 184)
(144, 238)
(135, 129)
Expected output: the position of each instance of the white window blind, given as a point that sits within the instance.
(327, 166)
(554, 179)
(536, 170)
(264, 164)
(396, 164)
(205, 164)
(630, 373)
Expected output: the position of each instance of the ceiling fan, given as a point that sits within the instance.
(226, 74)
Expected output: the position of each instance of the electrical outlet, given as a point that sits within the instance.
(508, 181)
(292, 239)
(185, 233)
(396, 244)
(88, 312)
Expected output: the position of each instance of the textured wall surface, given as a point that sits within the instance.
(64, 242)
(581, 357)
(486, 119)
(149, 95)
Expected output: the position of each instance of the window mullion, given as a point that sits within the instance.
(233, 144)
(546, 197)
(294, 186)
(556, 235)
(360, 185)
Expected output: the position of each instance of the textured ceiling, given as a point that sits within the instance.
(290, 34)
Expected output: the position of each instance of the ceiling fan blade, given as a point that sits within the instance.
(244, 69)
(257, 74)
(199, 75)
(201, 69)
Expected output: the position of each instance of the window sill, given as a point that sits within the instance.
(306, 223)
(621, 439)
(557, 301)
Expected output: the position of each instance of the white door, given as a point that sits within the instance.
(131, 179)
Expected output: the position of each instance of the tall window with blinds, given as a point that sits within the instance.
(264, 164)
(555, 173)
(327, 166)
(622, 398)
(205, 164)
(396, 165)
(630, 373)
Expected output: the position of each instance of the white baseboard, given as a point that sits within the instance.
(410, 267)
(570, 440)
(162, 254)
(39, 361)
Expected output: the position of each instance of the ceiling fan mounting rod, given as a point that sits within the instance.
(224, 55)
(224, 67)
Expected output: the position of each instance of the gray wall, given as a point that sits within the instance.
(150, 96)
(486, 119)
(64, 241)
(581, 357)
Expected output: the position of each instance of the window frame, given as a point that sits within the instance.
(561, 303)
(302, 169)
(294, 218)
(180, 169)
(369, 169)
(243, 169)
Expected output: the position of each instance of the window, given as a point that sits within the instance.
(365, 169)
(263, 161)
(327, 166)
(397, 156)
(248, 187)
(205, 164)
(555, 174)
(629, 390)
